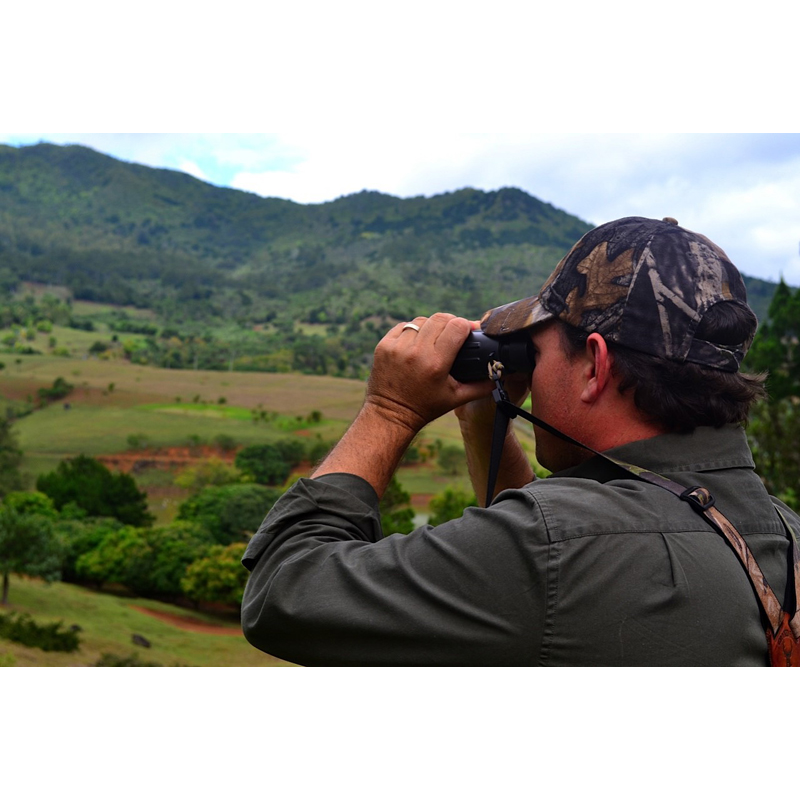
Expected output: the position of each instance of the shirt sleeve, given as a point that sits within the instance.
(326, 588)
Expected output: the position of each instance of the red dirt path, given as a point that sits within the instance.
(189, 623)
(168, 458)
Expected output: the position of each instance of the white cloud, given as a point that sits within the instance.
(190, 168)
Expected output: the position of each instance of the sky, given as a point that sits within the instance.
(740, 190)
(431, 96)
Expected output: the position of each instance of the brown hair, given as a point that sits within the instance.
(681, 396)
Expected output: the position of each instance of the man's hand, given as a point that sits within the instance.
(409, 387)
(410, 382)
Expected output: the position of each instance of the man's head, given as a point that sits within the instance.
(640, 283)
(672, 309)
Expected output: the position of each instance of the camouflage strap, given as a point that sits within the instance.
(795, 621)
(783, 634)
(703, 502)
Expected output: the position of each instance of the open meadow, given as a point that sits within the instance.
(181, 413)
(154, 423)
(108, 623)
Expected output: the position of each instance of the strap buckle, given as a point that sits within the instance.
(699, 497)
(496, 374)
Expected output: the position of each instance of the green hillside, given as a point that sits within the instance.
(108, 622)
(125, 233)
(198, 254)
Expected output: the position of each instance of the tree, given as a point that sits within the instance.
(28, 545)
(171, 550)
(81, 536)
(396, 514)
(209, 472)
(218, 577)
(450, 504)
(264, 463)
(774, 429)
(148, 561)
(92, 486)
(292, 451)
(31, 503)
(57, 391)
(452, 460)
(776, 349)
(229, 513)
(110, 560)
(774, 436)
(10, 459)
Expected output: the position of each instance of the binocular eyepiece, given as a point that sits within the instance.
(515, 352)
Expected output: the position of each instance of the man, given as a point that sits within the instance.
(638, 336)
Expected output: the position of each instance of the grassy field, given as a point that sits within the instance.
(80, 308)
(114, 400)
(108, 623)
(154, 421)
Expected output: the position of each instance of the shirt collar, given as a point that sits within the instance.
(704, 450)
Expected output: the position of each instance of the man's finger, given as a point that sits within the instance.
(452, 335)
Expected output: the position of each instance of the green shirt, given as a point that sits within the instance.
(588, 567)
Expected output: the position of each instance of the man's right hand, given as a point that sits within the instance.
(410, 381)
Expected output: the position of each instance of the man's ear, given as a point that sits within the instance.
(597, 371)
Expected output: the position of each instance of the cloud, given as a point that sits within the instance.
(190, 168)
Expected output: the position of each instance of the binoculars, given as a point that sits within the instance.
(514, 352)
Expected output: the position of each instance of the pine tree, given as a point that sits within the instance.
(10, 459)
(774, 429)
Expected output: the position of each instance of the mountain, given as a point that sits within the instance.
(124, 233)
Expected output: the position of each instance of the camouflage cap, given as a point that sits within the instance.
(641, 283)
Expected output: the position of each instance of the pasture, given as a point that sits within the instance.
(114, 400)
(155, 422)
(108, 623)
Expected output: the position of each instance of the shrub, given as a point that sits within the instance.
(211, 472)
(50, 638)
(412, 455)
(57, 391)
(293, 451)
(219, 577)
(137, 441)
(452, 460)
(133, 660)
(318, 450)
(225, 442)
(450, 504)
(396, 515)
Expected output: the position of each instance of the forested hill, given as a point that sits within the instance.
(129, 234)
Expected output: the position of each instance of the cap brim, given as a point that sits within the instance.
(514, 317)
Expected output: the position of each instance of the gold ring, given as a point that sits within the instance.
(412, 326)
